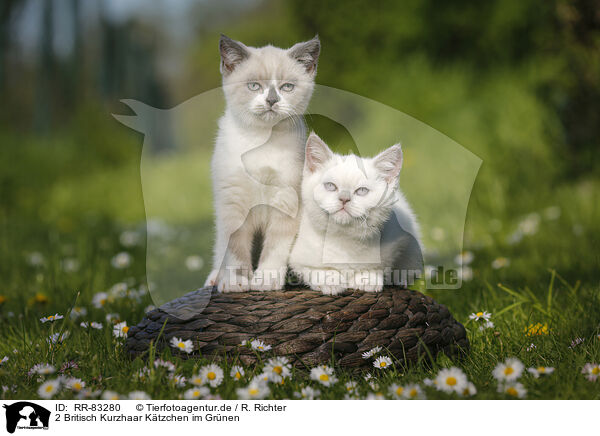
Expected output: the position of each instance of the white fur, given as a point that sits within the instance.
(257, 162)
(349, 246)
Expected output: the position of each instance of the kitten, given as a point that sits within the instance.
(257, 162)
(356, 226)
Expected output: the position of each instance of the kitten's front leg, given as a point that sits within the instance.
(327, 281)
(232, 263)
(272, 265)
(368, 280)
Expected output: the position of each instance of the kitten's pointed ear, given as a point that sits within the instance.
(232, 54)
(307, 53)
(389, 163)
(317, 152)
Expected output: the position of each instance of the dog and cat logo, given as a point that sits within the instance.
(26, 415)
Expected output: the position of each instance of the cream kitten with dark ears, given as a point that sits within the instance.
(357, 231)
(257, 162)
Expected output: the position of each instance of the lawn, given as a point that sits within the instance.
(539, 317)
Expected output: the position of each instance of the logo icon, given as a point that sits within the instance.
(26, 415)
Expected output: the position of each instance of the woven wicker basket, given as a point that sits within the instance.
(306, 326)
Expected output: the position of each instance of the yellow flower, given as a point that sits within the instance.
(2, 299)
(537, 329)
(38, 298)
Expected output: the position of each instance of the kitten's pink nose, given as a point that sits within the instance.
(344, 197)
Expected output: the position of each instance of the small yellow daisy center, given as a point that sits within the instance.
(103, 301)
(253, 391)
(324, 377)
(211, 376)
(466, 391)
(413, 392)
(479, 314)
(49, 388)
(278, 370)
(451, 381)
(238, 375)
(51, 318)
(181, 345)
(512, 391)
(125, 329)
(508, 370)
(399, 390)
(541, 369)
(383, 364)
(77, 386)
(260, 347)
(196, 394)
(596, 370)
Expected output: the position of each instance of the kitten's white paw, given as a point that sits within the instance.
(330, 289)
(211, 280)
(370, 288)
(272, 279)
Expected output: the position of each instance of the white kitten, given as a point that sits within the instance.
(257, 162)
(357, 230)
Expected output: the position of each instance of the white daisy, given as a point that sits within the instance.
(213, 374)
(96, 325)
(237, 372)
(375, 396)
(500, 262)
(138, 395)
(591, 371)
(509, 370)
(464, 258)
(477, 316)
(75, 384)
(120, 330)
(413, 392)
(307, 393)
(129, 238)
(350, 386)
(196, 393)
(197, 380)
(113, 318)
(324, 375)
(469, 390)
(277, 369)
(259, 345)
(179, 380)
(531, 347)
(57, 338)
(100, 299)
(51, 318)
(382, 362)
(110, 395)
(78, 311)
(396, 391)
(194, 263)
(451, 380)
(4, 359)
(70, 264)
(540, 370)
(48, 389)
(371, 352)
(514, 389)
(181, 345)
(255, 390)
(121, 260)
(487, 325)
(42, 369)
(159, 363)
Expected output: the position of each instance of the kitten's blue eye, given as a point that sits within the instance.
(330, 186)
(362, 191)
(254, 86)
(287, 87)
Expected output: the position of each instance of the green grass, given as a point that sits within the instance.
(570, 309)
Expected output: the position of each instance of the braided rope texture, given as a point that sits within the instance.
(306, 326)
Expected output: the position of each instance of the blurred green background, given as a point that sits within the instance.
(517, 83)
